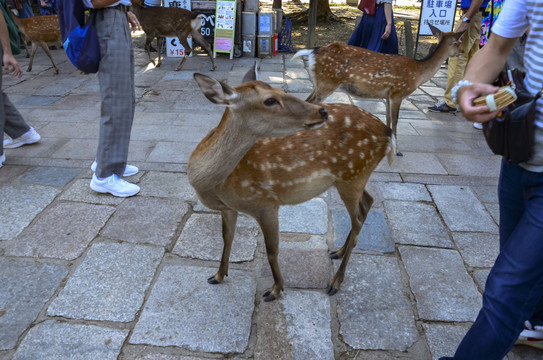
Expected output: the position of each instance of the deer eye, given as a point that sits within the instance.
(270, 102)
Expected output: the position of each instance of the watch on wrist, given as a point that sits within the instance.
(466, 19)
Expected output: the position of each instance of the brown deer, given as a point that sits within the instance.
(267, 152)
(369, 74)
(158, 22)
(40, 30)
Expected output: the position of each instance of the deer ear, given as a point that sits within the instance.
(458, 35)
(435, 31)
(251, 74)
(216, 91)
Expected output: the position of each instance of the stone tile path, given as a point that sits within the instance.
(89, 276)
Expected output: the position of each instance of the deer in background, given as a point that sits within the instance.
(369, 74)
(272, 149)
(158, 22)
(40, 30)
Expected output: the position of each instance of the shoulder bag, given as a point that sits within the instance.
(369, 7)
(511, 133)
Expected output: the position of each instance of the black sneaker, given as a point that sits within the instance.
(442, 107)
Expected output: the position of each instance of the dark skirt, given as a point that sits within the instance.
(368, 33)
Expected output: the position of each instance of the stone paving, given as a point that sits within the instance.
(90, 276)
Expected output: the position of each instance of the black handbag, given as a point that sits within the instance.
(511, 133)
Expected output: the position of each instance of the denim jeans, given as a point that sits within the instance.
(514, 288)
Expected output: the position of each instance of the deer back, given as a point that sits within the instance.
(296, 168)
(40, 28)
(166, 21)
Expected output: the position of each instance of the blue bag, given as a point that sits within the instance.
(80, 40)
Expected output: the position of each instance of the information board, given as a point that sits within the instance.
(225, 19)
(439, 13)
(173, 46)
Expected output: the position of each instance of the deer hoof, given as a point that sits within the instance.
(331, 290)
(212, 280)
(334, 255)
(399, 154)
(268, 296)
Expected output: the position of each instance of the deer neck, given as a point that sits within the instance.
(219, 153)
(431, 64)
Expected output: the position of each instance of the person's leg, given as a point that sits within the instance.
(116, 77)
(514, 286)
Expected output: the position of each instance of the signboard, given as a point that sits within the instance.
(173, 46)
(439, 13)
(225, 19)
(208, 24)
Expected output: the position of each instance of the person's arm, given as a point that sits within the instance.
(473, 9)
(388, 16)
(482, 69)
(10, 64)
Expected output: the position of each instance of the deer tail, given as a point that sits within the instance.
(308, 52)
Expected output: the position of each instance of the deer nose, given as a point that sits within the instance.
(324, 113)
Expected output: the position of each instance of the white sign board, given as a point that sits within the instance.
(439, 13)
(173, 46)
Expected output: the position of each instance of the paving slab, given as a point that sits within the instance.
(20, 204)
(184, 310)
(109, 284)
(168, 185)
(444, 338)
(63, 231)
(404, 191)
(51, 176)
(310, 217)
(52, 340)
(131, 220)
(374, 236)
(371, 295)
(416, 223)
(201, 238)
(461, 210)
(443, 289)
(478, 249)
(25, 287)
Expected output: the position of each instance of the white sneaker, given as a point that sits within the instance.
(2, 159)
(478, 125)
(114, 185)
(531, 336)
(129, 170)
(29, 137)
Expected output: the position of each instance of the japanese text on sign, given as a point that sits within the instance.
(439, 13)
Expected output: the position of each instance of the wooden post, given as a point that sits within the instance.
(408, 39)
(312, 22)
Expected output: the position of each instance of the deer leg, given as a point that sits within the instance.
(196, 35)
(183, 40)
(32, 53)
(320, 93)
(148, 41)
(229, 219)
(358, 211)
(158, 50)
(269, 222)
(46, 49)
(393, 113)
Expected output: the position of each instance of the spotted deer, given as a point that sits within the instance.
(272, 149)
(40, 30)
(159, 22)
(369, 74)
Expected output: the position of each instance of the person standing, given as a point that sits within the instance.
(116, 78)
(513, 296)
(11, 120)
(48, 7)
(377, 32)
(470, 21)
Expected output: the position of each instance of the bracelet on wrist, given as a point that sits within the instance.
(454, 90)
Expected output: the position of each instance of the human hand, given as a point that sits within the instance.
(468, 93)
(134, 22)
(12, 66)
(386, 33)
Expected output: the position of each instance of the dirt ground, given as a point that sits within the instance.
(341, 29)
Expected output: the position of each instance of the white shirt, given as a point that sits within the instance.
(514, 19)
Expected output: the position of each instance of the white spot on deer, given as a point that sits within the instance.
(334, 159)
(329, 142)
(365, 141)
(245, 183)
(374, 138)
(350, 151)
(319, 152)
(350, 165)
(362, 155)
(347, 122)
(359, 143)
